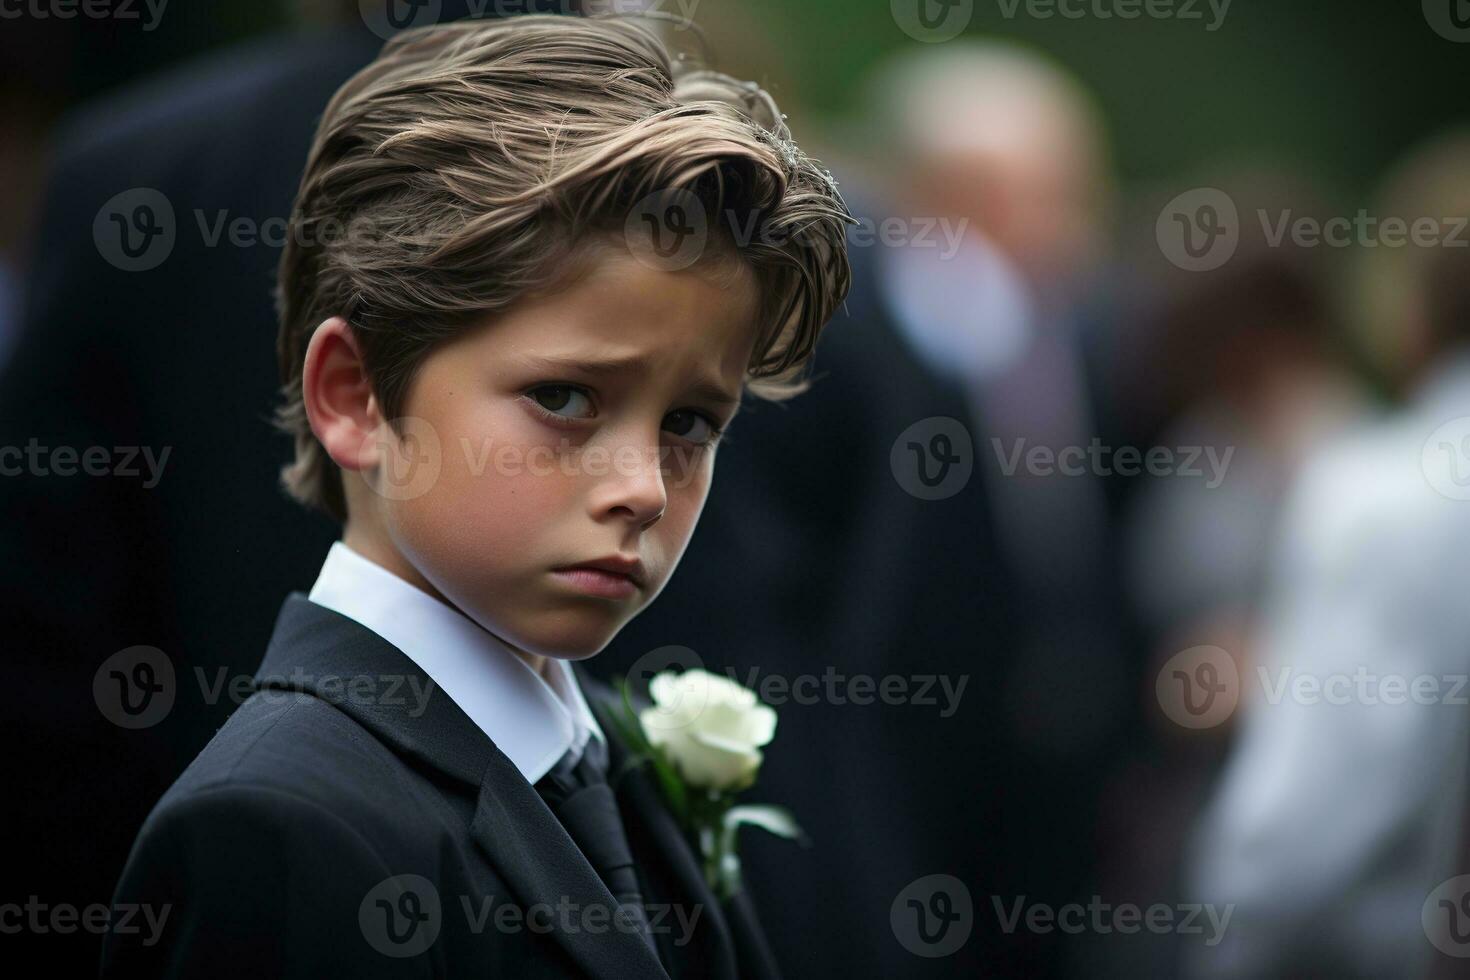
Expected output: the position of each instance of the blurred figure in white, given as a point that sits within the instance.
(1339, 810)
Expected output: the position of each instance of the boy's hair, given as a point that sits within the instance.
(468, 165)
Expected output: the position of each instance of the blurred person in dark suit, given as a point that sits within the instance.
(995, 161)
(1340, 808)
(1010, 150)
(32, 61)
(852, 573)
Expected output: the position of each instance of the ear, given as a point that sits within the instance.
(339, 399)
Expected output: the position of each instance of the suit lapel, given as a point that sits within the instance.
(320, 652)
(728, 941)
(540, 862)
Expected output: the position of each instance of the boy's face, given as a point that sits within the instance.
(554, 452)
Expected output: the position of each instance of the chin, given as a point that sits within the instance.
(569, 639)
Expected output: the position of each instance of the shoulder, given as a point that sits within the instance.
(285, 773)
(267, 846)
(1380, 505)
(287, 742)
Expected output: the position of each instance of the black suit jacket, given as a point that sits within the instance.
(338, 822)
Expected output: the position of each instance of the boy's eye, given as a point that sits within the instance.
(557, 399)
(692, 426)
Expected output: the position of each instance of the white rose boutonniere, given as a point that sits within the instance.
(703, 736)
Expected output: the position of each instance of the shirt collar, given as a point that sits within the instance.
(967, 315)
(532, 720)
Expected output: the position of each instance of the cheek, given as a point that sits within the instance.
(687, 490)
(496, 492)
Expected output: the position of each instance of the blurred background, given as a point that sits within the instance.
(1185, 285)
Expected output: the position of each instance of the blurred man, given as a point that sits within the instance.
(1008, 150)
(982, 257)
(1339, 812)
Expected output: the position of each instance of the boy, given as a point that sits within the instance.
(530, 274)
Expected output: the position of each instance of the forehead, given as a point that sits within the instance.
(618, 311)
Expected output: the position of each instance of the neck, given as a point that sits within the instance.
(374, 548)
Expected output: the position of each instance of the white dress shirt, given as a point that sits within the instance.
(534, 720)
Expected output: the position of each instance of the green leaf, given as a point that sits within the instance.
(628, 725)
(674, 792)
(675, 795)
(772, 819)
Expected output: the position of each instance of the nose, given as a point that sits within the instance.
(633, 489)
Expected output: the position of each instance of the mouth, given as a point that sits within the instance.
(615, 577)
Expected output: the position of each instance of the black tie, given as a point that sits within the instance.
(581, 799)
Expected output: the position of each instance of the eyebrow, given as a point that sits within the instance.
(705, 387)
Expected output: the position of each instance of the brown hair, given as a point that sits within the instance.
(464, 167)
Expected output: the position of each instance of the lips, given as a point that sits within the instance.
(630, 568)
(598, 582)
